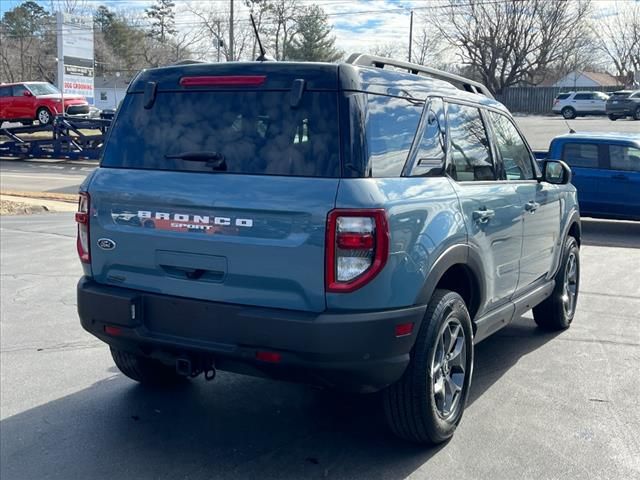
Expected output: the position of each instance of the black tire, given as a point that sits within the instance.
(613, 118)
(411, 409)
(144, 370)
(568, 113)
(43, 115)
(557, 311)
(636, 114)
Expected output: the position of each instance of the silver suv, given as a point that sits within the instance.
(573, 104)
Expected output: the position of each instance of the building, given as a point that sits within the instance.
(585, 79)
(109, 90)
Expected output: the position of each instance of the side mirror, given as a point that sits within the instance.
(556, 172)
(27, 93)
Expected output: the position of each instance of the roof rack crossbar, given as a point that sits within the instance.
(381, 62)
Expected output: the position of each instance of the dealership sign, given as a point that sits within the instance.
(75, 55)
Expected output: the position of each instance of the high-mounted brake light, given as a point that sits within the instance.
(357, 248)
(224, 81)
(82, 219)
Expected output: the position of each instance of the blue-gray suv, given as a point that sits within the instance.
(357, 226)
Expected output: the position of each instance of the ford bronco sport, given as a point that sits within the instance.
(352, 226)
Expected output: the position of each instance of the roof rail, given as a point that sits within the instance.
(381, 62)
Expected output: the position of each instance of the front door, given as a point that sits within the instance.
(538, 203)
(492, 209)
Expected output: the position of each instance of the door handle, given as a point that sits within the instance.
(531, 206)
(483, 215)
(620, 176)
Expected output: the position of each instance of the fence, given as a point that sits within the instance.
(539, 100)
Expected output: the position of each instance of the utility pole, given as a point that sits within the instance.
(218, 40)
(231, 31)
(410, 35)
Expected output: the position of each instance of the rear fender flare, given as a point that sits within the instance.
(458, 254)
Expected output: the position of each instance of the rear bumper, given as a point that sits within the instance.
(350, 351)
(619, 110)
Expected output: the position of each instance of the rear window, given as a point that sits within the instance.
(620, 94)
(256, 133)
(563, 96)
(582, 155)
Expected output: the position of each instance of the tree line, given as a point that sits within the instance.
(501, 43)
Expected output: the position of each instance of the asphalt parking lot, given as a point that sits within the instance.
(542, 406)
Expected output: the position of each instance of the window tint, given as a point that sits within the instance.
(584, 155)
(430, 155)
(5, 91)
(563, 96)
(513, 151)
(256, 133)
(623, 157)
(470, 154)
(391, 126)
(583, 96)
(18, 90)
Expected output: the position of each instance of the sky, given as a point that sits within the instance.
(357, 24)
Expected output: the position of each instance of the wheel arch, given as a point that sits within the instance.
(459, 268)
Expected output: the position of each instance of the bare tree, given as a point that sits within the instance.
(618, 37)
(514, 41)
(282, 17)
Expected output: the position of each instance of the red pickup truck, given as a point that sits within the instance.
(28, 101)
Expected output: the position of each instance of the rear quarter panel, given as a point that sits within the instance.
(424, 221)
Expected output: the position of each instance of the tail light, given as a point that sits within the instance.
(556, 101)
(82, 219)
(357, 248)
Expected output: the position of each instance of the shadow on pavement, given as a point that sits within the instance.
(610, 233)
(235, 427)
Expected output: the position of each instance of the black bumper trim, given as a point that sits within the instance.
(353, 351)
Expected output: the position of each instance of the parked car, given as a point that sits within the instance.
(606, 172)
(624, 103)
(28, 101)
(573, 104)
(345, 225)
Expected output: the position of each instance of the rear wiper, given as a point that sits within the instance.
(214, 160)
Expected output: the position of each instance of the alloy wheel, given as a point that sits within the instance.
(448, 368)
(570, 291)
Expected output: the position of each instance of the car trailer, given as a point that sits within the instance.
(68, 139)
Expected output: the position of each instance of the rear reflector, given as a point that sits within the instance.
(404, 329)
(271, 357)
(224, 81)
(115, 331)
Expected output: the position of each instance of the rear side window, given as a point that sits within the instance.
(470, 153)
(563, 96)
(582, 155)
(431, 153)
(391, 126)
(625, 158)
(256, 133)
(18, 90)
(514, 152)
(5, 91)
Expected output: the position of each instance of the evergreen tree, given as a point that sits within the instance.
(313, 41)
(162, 19)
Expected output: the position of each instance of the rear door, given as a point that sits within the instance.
(621, 186)
(245, 226)
(21, 105)
(584, 160)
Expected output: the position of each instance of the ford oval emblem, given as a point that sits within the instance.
(106, 244)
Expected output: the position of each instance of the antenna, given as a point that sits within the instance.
(571, 130)
(263, 53)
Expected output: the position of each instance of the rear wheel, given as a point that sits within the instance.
(613, 118)
(568, 113)
(636, 114)
(427, 403)
(44, 116)
(557, 311)
(144, 370)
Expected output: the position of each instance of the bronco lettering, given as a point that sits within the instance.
(195, 219)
